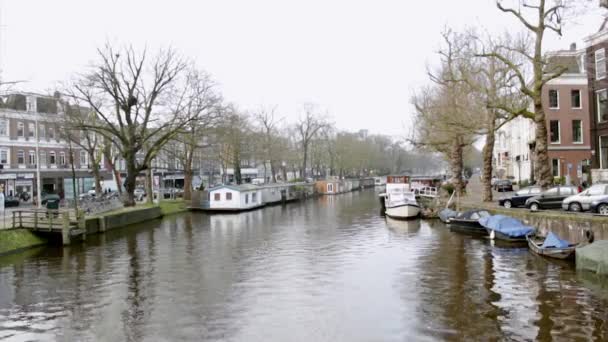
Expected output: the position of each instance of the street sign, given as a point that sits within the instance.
(569, 166)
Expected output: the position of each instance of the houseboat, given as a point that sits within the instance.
(232, 198)
(379, 181)
(399, 201)
(284, 192)
(367, 182)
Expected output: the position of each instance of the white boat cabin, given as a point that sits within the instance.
(235, 197)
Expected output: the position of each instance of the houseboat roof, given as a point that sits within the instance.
(282, 185)
(240, 188)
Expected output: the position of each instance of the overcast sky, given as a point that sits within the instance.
(360, 60)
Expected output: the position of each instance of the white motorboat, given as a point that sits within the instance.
(401, 205)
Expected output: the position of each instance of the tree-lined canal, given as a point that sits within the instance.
(329, 269)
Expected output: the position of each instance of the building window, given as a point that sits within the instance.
(20, 157)
(30, 130)
(577, 131)
(603, 152)
(575, 96)
(330, 187)
(554, 131)
(52, 157)
(83, 158)
(3, 128)
(61, 158)
(229, 196)
(42, 158)
(602, 105)
(555, 167)
(51, 133)
(3, 157)
(553, 99)
(32, 159)
(20, 129)
(600, 64)
(216, 196)
(41, 132)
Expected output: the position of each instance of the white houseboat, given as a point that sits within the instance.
(234, 198)
(399, 201)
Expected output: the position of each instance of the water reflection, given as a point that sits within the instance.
(326, 270)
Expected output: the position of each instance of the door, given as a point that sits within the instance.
(549, 197)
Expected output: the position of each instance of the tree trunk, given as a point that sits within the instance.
(188, 175)
(273, 171)
(128, 197)
(488, 151)
(456, 165)
(304, 159)
(542, 165)
(148, 184)
(97, 177)
(237, 169)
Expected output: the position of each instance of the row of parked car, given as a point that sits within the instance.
(594, 199)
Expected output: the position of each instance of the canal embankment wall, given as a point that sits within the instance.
(570, 226)
(16, 240)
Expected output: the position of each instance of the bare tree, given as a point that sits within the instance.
(307, 128)
(132, 96)
(268, 126)
(537, 17)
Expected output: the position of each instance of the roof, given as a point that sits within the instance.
(558, 61)
(240, 188)
(281, 185)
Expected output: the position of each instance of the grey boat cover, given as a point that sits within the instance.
(593, 257)
(446, 214)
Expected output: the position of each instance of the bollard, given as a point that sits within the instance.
(65, 229)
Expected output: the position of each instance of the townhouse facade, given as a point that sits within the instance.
(28, 121)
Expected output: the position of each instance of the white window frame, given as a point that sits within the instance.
(54, 156)
(597, 101)
(580, 98)
(31, 130)
(556, 92)
(559, 166)
(599, 144)
(581, 126)
(41, 131)
(330, 187)
(51, 131)
(7, 128)
(8, 156)
(22, 152)
(559, 133)
(599, 60)
(62, 160)
(21, 125)
(83, 159)
(31, 160)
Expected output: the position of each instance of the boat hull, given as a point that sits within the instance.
(535, 244)
(496, 235)
(467, 226)
(403, 212)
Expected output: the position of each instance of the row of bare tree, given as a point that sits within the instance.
(482, 82)
(134, 108)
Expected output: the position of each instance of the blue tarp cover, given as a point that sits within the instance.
(554, 241)
(446, 213)
(506, 225)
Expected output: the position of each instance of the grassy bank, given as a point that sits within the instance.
(17, 239)
(169, 207)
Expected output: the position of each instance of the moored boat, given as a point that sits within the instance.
(506, 228)
(551, 246)
(446, 214)
(468, 222)
(401, 205)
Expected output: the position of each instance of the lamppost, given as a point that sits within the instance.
(518, 160)
(38, 181)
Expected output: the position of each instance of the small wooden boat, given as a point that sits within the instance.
(468, 222)
(551, 246)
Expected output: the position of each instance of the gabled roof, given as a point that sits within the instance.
(240, 188)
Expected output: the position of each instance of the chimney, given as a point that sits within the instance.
(573, 47)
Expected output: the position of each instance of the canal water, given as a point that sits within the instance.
(330, 269)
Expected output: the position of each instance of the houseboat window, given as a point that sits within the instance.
(246, 198)
(229, 196)
(254, 197)
(600, 64)
(553, 99)
(330, 188)
(577, 131)
(602, 105)
(554, 131)
(216, 197)
(604, 152)
(575, 95)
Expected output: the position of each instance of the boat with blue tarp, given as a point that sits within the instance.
(506, 228)
(551, 246)
(468, 222)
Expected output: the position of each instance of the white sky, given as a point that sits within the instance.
(360, 60)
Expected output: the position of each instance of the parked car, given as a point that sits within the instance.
(600, 205)
(49, 197)
(582, 201)
(503, 185)
(10, 201)
(139, 194)
(519, 198)
(551, 198)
